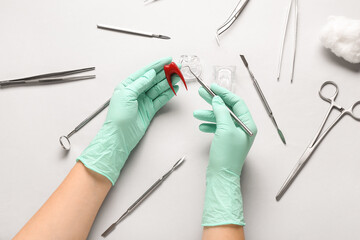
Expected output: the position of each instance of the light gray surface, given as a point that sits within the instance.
(43, 36)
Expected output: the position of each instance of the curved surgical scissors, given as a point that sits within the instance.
(319, 137)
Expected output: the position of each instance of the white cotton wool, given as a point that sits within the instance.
(342, 36)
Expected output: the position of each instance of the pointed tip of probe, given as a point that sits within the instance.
(164, 37)
(217, 39)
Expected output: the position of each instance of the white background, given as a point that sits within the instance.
(41, 36)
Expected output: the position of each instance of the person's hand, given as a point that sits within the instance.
(132, 107)
(229, 148)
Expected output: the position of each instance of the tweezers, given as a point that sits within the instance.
(292, 2)
(49, 78)
(233, 16)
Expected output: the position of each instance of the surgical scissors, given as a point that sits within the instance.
(319, 137)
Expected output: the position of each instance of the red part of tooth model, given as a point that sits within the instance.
(169, 70)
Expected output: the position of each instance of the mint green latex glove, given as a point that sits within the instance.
(229, 148)
(132, 107)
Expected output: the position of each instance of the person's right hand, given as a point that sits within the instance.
(229, 148)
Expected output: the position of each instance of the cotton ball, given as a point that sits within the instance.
(342, 36)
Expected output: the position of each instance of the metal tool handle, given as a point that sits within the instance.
(232, 114)
(326, 97)
(262, 96)
(240, 7)
(124, 30)
(145, 195)
(244, 127)
(233, 16)
(283, 40)
(156, 185)
(353, 113)
(11, 83)
(92, 116)
(44, 81)
(55, 74)
(65, 141)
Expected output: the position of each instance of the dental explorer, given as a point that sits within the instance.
(128, 31)
(143, 197)
(233, 115)
(263, 99)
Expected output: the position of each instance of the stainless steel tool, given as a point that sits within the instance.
(320, 136)
(233, 16)
(149, 1)
(65, 141)
(128, 31)
(233, 115)
(49, 78)
(143, 197)
(263, 99)
(292, 2)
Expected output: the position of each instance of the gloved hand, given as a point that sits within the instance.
(223, 201)
(132, 107)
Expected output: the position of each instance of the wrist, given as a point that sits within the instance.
(106, 153)
(223, 200)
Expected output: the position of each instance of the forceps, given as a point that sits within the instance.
(319, 137)
(295, 2)
(49, 78)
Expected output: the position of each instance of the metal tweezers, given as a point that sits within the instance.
(49, 78)
(233, 16)
(295, 3)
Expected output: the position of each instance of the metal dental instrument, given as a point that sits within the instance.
(233, 16)
(49, 78)
(263, 99)
(295, 2)
(320, 136)
(128, 31)
(65, 141)
(149, 1)
(243, 126)
(143, 197)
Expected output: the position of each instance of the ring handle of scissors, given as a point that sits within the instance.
(332, 98)
(352, 113)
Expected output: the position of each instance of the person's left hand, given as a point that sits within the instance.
(134, 103)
